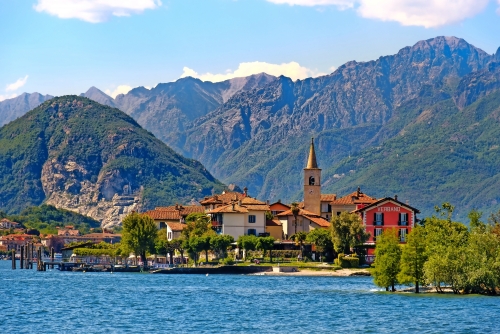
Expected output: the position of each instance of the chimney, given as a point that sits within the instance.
(232, 203)
(239, 202)
(396, 197)
(245, 191)
(268, 203)
(358, 191)
(279, 201)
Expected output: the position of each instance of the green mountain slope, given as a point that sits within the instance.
(80, 155)
(441, 154)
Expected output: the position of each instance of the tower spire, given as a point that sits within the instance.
(311, 162)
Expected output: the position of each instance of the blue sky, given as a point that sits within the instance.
(66, 46)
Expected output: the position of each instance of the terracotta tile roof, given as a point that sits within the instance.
(224, 198)
(319, 221)
(184, 210)
(356, 197)
(163, 214)
(387, 199)
(176, 227)
(328, 197)
(229, 209)
(273, 222)
(263, 207)
(302, 212)
(251, 201)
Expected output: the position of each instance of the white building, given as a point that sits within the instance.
(243, 217)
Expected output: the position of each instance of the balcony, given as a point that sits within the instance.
(217, 226)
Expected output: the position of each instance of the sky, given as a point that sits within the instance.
(61, 47)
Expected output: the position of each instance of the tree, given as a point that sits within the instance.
(413, 258)
(196, 245)
(196, 224)
(446, 247)
(181, 244)
(347, 231)
(299, 239)
(206, 245)
(266, 243)
(220, 243)
(321, 239)
(247, 242)
(139, 235)
(164, 246)
(387, 259)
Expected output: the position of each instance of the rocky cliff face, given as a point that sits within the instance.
(70, 186)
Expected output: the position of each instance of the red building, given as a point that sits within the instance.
(383, 214)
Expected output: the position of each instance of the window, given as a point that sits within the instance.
(311, 180)
(403, 219)
(338, 213)
(251, 218)
(378, 219)
(169, 235)
(402, 234)
(163, 225)
(378, 231)
(329, 208)
(252, 231)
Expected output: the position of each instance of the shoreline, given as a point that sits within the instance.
(318, 273)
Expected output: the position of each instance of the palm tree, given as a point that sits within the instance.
(299, 239)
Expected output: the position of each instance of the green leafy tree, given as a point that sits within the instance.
(321, 238)
(387, 259)
(247, 242)
(299, 239)
(446, 251)
(220, 243)
(197, 225)
(347, 232)
(181, 244)
(266, 243)
(413, 258)
(196, 245)
(139, 235)
(207, 245)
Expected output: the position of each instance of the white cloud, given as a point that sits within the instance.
(425, 13)
(292, 70)
(342, 4)
(5, 97)
(498, 9)
(16, 85)
(122, 89)
(94, 11)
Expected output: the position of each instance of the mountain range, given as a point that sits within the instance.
(420, 124)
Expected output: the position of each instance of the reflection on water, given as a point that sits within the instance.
(66, 302)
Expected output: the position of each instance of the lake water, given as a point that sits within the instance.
(66, 302)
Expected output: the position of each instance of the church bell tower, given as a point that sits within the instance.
(312, 183)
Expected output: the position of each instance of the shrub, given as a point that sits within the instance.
(227, 261)
(347, 261)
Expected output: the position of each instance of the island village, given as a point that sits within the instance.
(236, 215)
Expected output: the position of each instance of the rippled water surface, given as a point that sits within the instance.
(66, 302)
